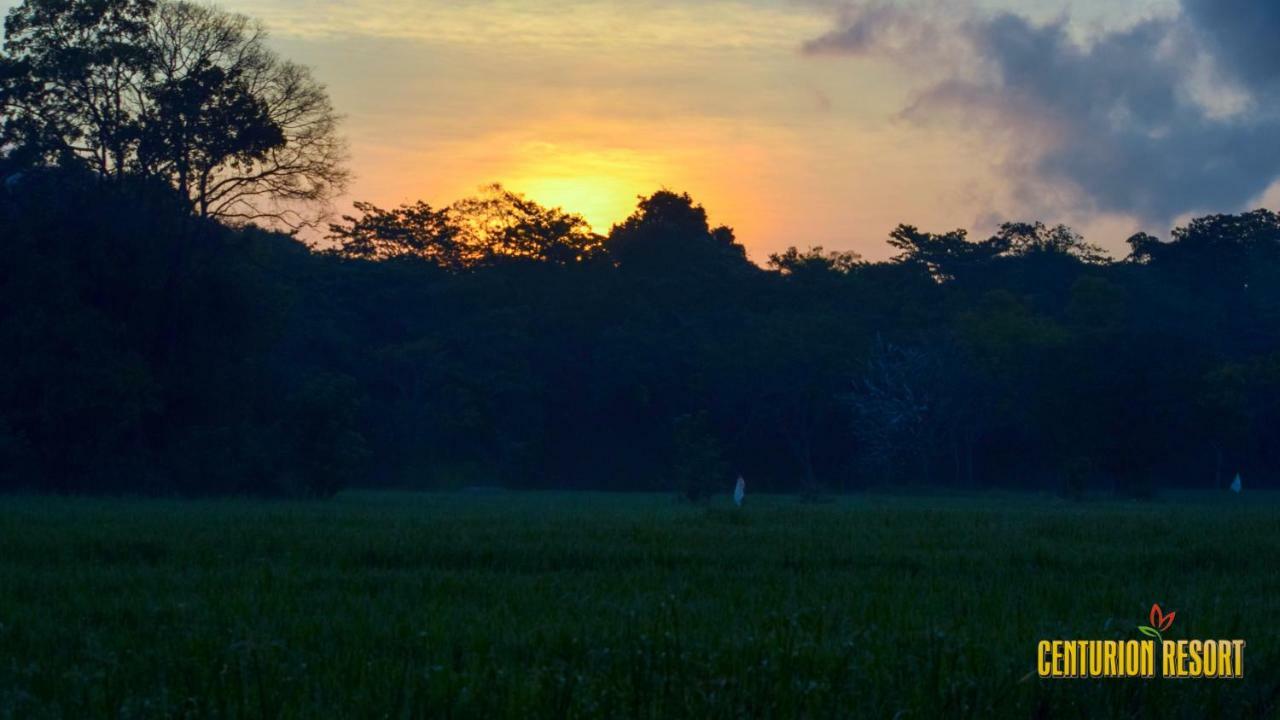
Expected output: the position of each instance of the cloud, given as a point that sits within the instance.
(1242, 35)
(878, 27)
(1170, 115)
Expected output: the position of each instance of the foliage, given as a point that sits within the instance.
(146, 350)
(174, 90)
(669, 227)
(139, 350)
(152, 341)
(501, 224)
(497, 225)
(409, 231)
(813, 262)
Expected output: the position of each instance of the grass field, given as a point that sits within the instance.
(559, 605)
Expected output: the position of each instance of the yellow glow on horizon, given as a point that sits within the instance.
(600, 167)
(602, 201)
(601, 184)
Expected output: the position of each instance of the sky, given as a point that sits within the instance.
(808, 122)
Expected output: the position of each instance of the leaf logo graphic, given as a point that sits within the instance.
(1159, 623)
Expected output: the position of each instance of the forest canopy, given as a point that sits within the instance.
(162, 332)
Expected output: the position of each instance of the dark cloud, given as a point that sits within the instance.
(1147, 120)
(1242, 36)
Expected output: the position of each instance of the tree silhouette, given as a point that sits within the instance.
(408, 231)
(945, 256)
(71, 81)
(496, 225)
(498, 340)
(813, 263)
(499, 223)
(1023, 239)
(173, 90)
(670, 229)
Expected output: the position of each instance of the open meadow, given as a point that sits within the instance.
(592, 605)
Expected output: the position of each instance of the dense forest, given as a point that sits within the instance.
(164, 330)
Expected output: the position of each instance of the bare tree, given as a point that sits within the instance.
(268, 147)
(893, 410)
(914, 406)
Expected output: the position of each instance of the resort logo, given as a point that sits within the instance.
(1159, 623)
(1178, 659)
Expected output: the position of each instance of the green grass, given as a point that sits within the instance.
(559, 605)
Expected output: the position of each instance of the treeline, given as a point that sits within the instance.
(495, 342)
(152, 339)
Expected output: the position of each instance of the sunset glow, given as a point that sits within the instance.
(601, 184)
(791, 122)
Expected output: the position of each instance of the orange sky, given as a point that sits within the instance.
(587, 104)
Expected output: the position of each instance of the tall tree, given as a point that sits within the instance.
(172, 90)
(669, 230)
(72, 82)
